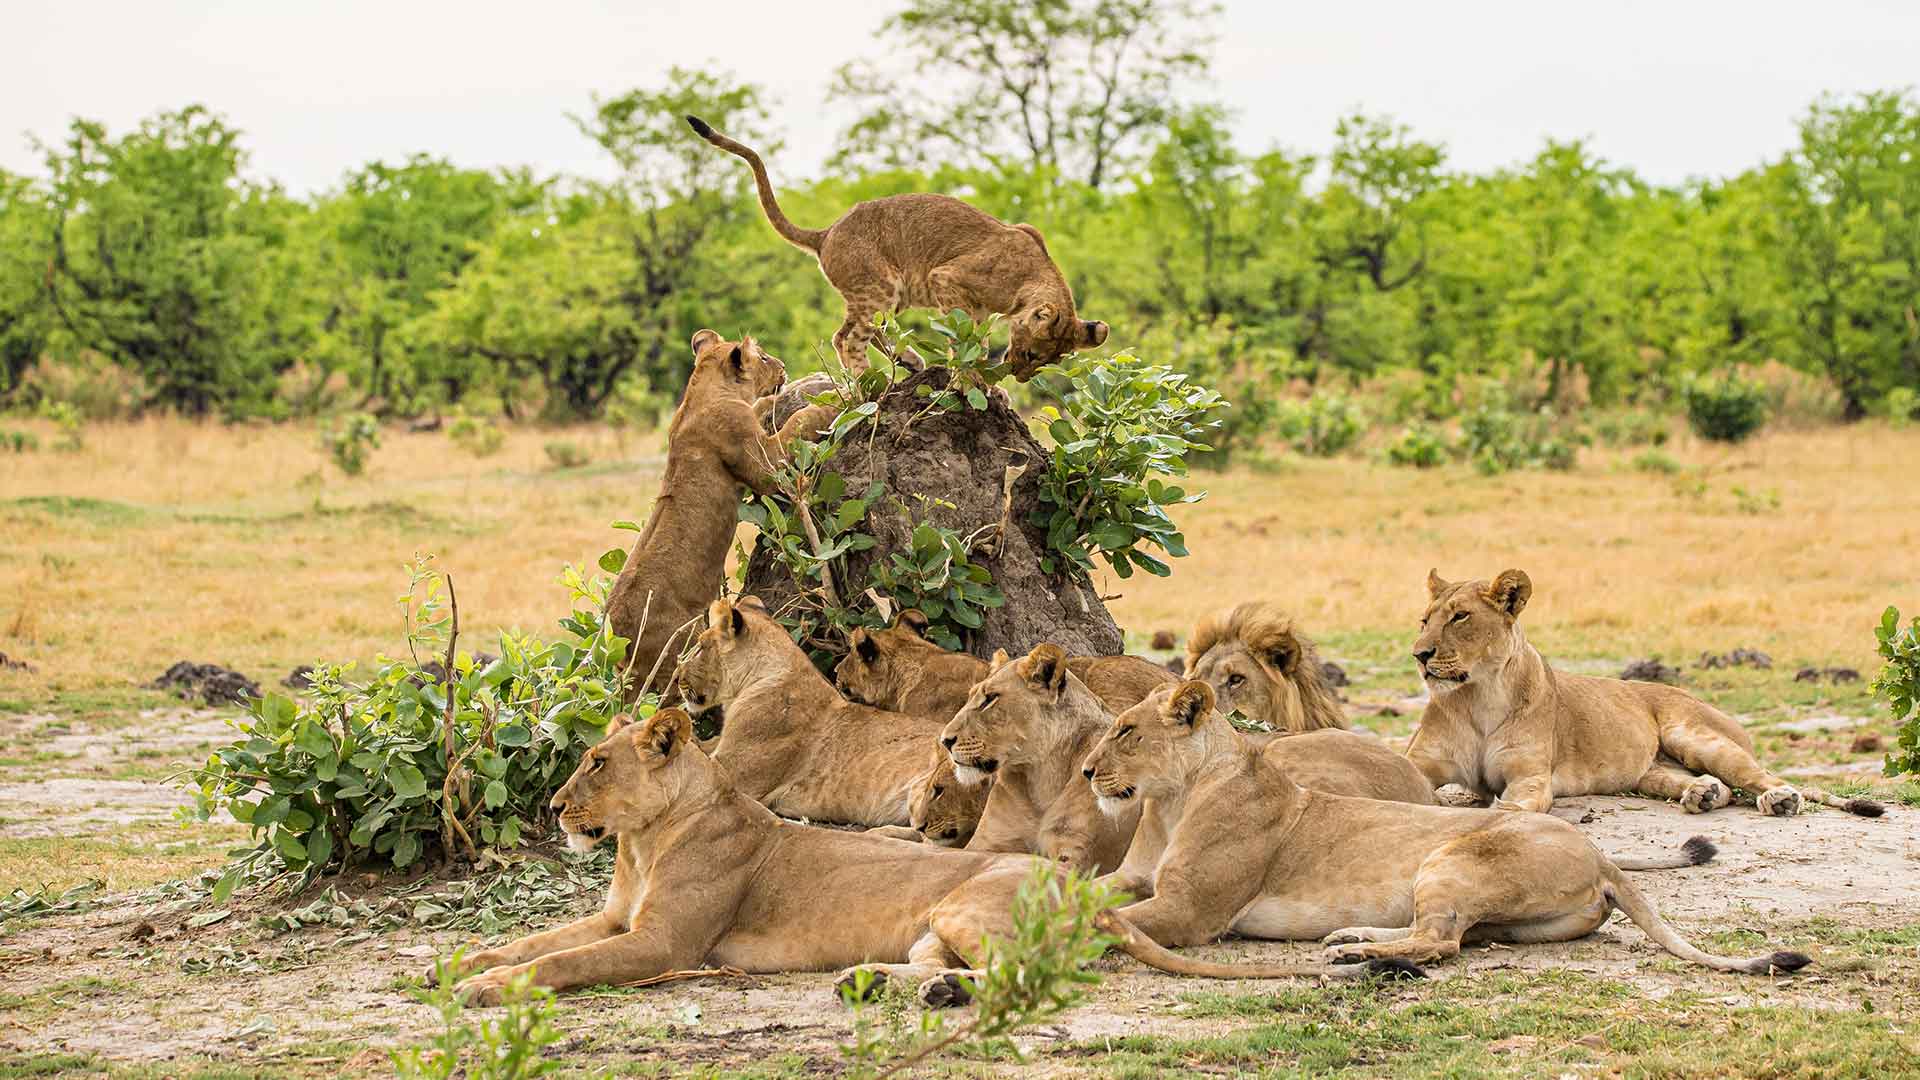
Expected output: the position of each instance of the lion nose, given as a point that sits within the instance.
(948, 740)
(559, 803)
(1423, 655)
(1087, 772)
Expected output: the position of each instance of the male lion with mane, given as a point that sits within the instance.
(1504, 724)
(1238, 847)
(1262, 667)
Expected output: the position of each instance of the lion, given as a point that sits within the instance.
(1504, 724)
(715, 446)
(933, 251)
(1236, 846)
(705, 876)
(789, 740)
(1262, 667)
(899, 669)
(943, 810)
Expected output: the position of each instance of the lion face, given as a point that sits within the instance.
(1140, 756)
(944, 810)
(1261, 667)
(740, 366)
(727, 652)
(1468, 630)
(870, 672)
(618, 785)
(1038, 337)
(996, 725)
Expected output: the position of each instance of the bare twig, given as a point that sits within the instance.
(665, 648)
(449, 816)
(813, 537)
(690, 973)
(633, 647)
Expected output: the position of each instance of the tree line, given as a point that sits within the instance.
(418, 285)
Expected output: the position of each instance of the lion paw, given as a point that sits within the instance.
(1350, 953)
(1352, 935)
(945, 990)
(847, 984)
(485, 989)
(1782, 801)
(1704, 794)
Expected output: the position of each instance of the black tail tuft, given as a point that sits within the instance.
(700, 127)
(1865, 807)
(1395, 968)
(1784, 962)
(1699, 850)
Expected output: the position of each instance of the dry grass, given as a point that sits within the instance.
(165, 540)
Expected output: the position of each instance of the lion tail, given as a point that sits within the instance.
(1628, 898)
(794, 234)
(1151, 953)
(1862, 807)
(1694, 852)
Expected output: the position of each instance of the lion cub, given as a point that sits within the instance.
(1503, 723)
(933, 251)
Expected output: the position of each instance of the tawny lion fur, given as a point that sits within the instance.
(715, 446)
(1234, 845)
(1261, 665)
(933, 251)
(1504, 724)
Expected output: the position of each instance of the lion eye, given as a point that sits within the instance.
(1236, 680)
(987, 702)
(1458, 616)
(937, 789)
(596, 762)
(1123, 732)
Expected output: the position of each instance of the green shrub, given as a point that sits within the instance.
(19, 441)
(477, 436)
(565, 454)
(67, 420)
(1498, 439)
(1635, 427)
(1124, 424)
(1902, 405)
(1320, 426)
(506, 1048)
(1899, 684)
(1728, 409)
(357, 774)
(1419, 446)
(350, 441)
(1655, 461)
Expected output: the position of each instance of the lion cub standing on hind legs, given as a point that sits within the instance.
(1504, 724)
(933, 251)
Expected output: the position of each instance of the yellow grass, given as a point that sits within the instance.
(245, 546)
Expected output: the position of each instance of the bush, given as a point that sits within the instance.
(1728, 409)
(358, 774)
(1498, 439)
(66, 419)
(1637, 427)
(477, 436)
(1419, 446)
(566, 455)
(1902, 405)
(507, 1048)
(1899, 683)
(1320, 426)
(350, 441)
(1655, 461)
(19, 441)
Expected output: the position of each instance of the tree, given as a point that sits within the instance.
(25, 319)
(155, 261)
(1072, 88)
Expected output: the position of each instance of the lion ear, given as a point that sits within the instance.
(619, 721)
(664, 732)
(753, 603)
(914, 620)
(703, 339)
(1035, 233)
(1046, 667)
(999, 660)
(1435, 584)
(738, 361)
(1510, 592)
(864, 647)
(726, 618)
(1282, 650)
(1043, 313)
(1189, 703)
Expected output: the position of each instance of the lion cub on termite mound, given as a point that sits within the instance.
(715, 445)
(933, 251)
(1235, 845)
(1504, 724)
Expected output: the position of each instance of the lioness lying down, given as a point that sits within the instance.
(789, 740)
(704, 875)
(1502, 723)
(899, 669)
(1238, 846)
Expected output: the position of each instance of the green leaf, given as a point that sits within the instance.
(407, 781)
(405, 850)
(613, 559)
(629, 526)
(223, 888)
(495, 795)
(977, 399)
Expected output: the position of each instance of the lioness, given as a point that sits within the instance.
(1031, 721)
(1260, 666)
(715, 444)
(705, 876)
(934, 251)
(1237, 846)
(789, 740)
(899, 669)
(943, 810)
(1503, 723)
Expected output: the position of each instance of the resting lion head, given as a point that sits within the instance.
(622, 783)
(1261, 666)
(1143, 754)
(879, 663)
(736, 646)
(1469, 630)
(1005, 711)
(944, 810)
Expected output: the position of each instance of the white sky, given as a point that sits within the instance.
(1674, 89)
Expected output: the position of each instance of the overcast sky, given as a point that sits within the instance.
(1673, 89)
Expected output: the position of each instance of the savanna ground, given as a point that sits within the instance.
(162, 541)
